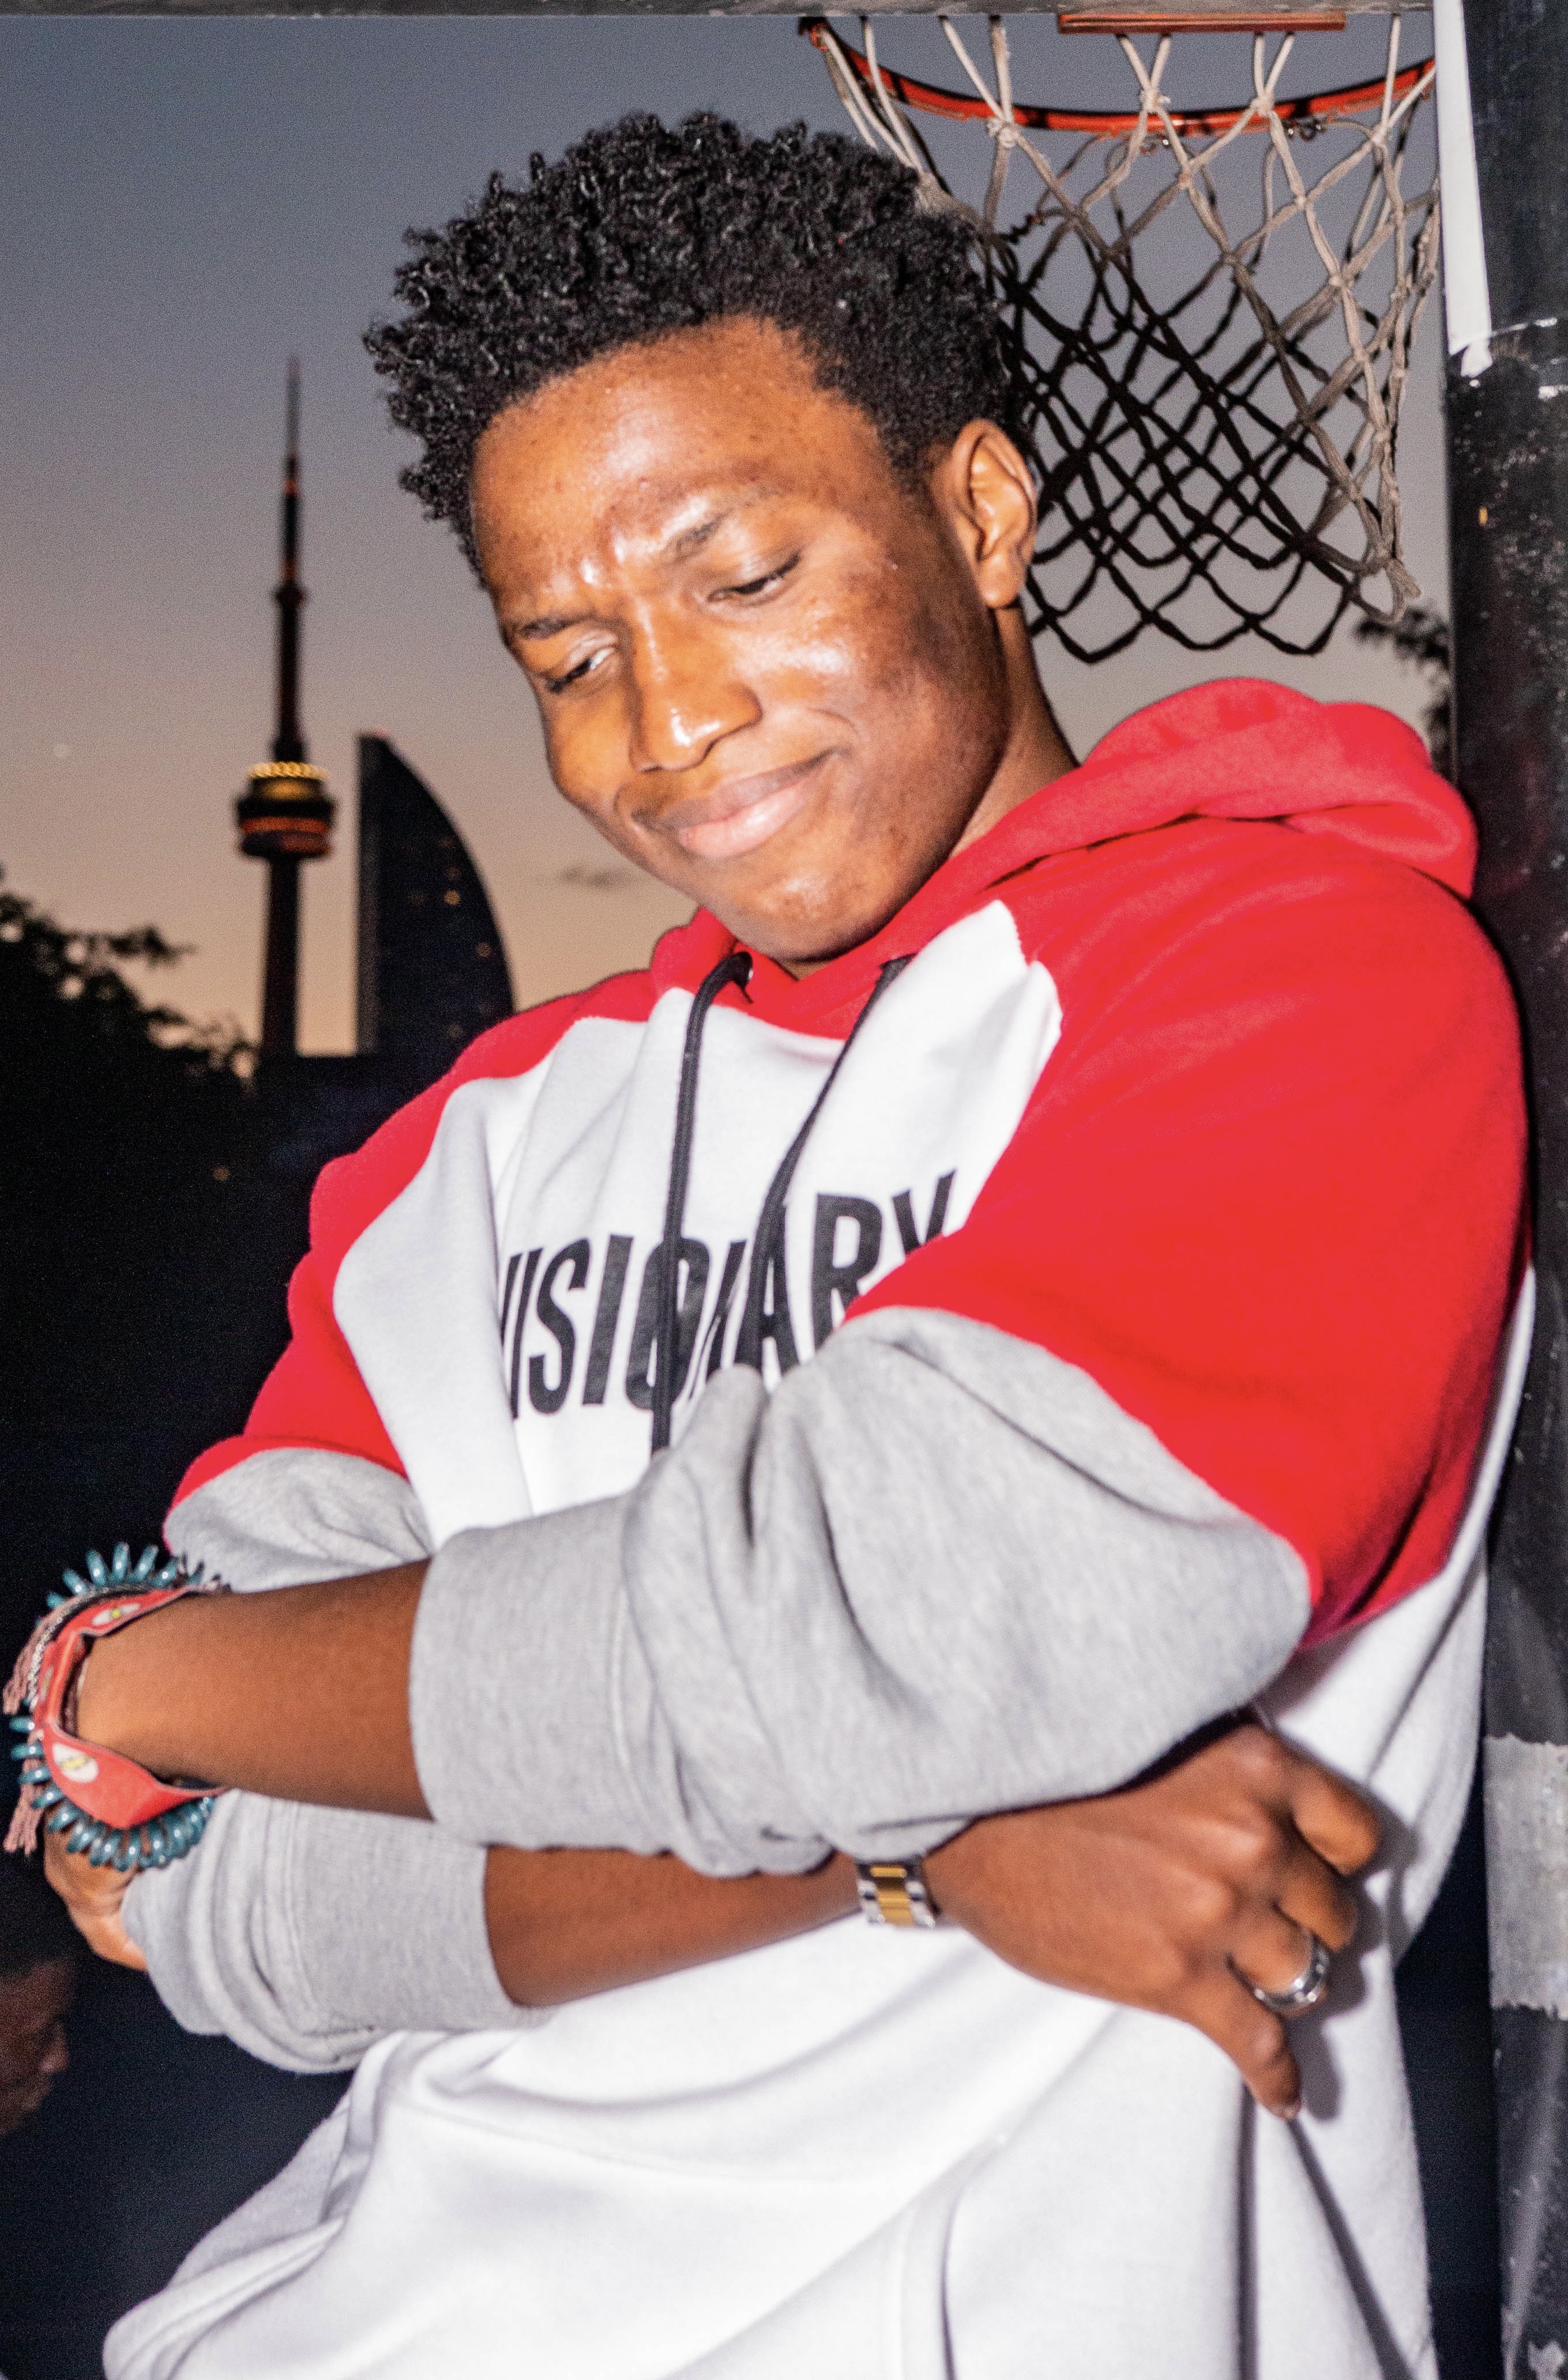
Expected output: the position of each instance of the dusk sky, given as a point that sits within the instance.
(186, 203)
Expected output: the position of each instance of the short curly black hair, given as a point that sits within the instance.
(641, 230)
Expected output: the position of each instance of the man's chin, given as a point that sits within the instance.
(806, 916)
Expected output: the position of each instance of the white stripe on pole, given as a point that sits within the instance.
(1467, 299)
(1527, 1872)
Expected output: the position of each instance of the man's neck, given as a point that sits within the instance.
(1037, 752)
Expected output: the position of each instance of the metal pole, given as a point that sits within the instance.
(1508, 496)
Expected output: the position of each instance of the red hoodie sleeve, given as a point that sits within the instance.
(314, 1396)
(1270, 1192)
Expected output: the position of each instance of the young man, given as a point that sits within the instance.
(1093, 1200)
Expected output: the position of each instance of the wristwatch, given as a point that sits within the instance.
(895, 1892)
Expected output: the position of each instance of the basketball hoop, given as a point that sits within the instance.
(1214, 455)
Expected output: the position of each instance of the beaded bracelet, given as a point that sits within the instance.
(112, 1808)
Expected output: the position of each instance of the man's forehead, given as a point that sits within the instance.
(661, 440)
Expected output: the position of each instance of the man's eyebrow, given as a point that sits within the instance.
(692, 540)
(550, 623)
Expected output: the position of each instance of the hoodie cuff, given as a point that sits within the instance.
(512, 1686)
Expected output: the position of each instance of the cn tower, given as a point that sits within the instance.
(285, 813)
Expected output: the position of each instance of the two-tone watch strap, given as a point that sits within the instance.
(895, 1892)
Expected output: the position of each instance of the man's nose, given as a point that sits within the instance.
(686, 697)
(56, 2051)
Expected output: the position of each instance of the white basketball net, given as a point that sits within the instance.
(1214, 423)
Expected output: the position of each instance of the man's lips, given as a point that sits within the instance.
(737, 818)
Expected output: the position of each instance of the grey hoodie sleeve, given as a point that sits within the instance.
(938, 1572)
(304, 1934)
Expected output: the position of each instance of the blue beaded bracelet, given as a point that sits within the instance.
(148, 1822)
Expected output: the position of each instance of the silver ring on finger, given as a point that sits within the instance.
(1304, 1991)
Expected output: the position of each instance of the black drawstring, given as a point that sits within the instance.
(736, 969)
(768, 1248)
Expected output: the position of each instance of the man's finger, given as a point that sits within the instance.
(1332, 1816)
(93, 1898)
(1315, 1897)
(1256, 2042)
(107, 1940)
(1271, 1951)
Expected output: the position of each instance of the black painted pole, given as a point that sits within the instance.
(1508, 498)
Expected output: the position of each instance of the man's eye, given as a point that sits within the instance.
(570, 677)
(769, 579)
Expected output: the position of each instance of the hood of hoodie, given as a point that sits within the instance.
(1241, 748)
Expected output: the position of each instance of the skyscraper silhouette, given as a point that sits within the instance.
(285, 814)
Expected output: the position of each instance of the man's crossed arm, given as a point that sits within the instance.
(1160, 1896)
(937, 1577)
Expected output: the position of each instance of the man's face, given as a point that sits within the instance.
(33, 2037)
(766, 668)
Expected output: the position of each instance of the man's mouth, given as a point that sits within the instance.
(739, 817)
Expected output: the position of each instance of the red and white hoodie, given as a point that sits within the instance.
(1089, 1292)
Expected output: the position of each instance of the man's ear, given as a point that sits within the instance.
(983, 487)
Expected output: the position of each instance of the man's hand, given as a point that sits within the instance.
(1159, 1895)
(1164, 1894)
(92, 1895)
